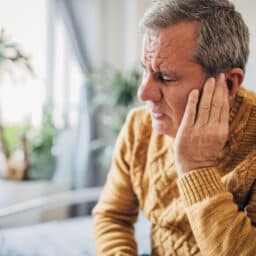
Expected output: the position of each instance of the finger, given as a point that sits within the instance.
(224, 115)
(189, 116)
(218, 99)
(205, 102)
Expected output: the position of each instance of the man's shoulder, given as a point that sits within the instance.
(139, 121)
(248, 98)
(248, 95)
(139, 116)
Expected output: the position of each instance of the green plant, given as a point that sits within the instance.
(12, 57)
(13, 134)
(39, 142)
(11, 54)
(41, 160)
(115, 93)
(36, 144)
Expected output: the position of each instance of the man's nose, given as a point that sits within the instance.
(149, 90)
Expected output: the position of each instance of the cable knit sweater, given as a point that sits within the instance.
(209, 211)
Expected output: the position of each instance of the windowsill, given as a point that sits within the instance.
(12, 192)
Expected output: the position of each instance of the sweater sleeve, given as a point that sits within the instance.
(117, 208)
(219, 227)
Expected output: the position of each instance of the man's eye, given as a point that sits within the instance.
(166, 80)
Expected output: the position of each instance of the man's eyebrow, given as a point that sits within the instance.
(168, 73)
(162, 72)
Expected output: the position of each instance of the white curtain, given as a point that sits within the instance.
(99, 32)
(78, 19)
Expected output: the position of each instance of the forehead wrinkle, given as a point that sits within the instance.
(154, 57)
(170, 52)
(161, 49)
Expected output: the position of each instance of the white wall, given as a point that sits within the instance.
(247, 9)
(121, 38)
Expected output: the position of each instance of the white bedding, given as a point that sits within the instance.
(73, 237)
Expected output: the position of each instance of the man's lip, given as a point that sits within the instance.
(157, 114)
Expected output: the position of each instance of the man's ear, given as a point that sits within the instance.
(234, 78)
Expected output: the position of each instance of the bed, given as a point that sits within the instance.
(71, 237)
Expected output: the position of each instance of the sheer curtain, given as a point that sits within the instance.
(72, 17)
(98, 32)
(78, 18)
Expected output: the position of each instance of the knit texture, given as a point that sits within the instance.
(209, 211)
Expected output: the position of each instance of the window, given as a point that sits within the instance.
(22, 96)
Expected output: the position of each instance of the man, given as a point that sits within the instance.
(188, 160)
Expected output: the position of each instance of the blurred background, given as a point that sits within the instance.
(69, 72)
(69, 75)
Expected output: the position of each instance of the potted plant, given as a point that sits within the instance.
(41, 160)
(115, 93)
(11, 57)
(27, 151)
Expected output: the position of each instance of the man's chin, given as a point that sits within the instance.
(163, 128)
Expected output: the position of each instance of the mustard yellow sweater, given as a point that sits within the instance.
(210, 211)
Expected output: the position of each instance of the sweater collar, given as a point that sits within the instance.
(238, 119)
(239, 113)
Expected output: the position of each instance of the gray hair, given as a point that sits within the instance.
(223, 39)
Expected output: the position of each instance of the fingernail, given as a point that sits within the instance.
(222, 76)
(211, 82)
(196, 92)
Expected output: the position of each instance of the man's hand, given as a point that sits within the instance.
(203, 132)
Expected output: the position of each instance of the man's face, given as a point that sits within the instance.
(169, 74)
